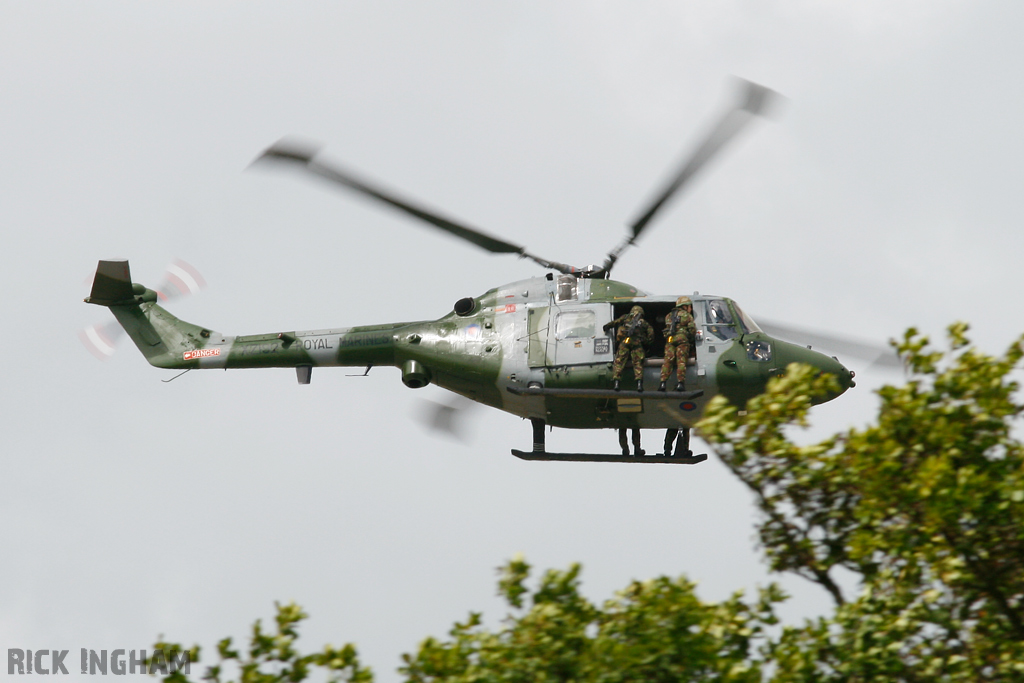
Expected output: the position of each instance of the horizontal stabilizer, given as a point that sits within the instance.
(112, 285)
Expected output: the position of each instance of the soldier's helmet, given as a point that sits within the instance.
(684, 301)
(636, 310)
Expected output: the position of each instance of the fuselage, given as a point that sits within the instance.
(542, 332)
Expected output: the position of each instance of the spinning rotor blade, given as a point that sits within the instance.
(754, 100)
(180, 279)
(305, 156)
(447, 419)
(880, 356)
(101, 340)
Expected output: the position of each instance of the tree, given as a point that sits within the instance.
(655, 630)
(921, 512)
(925, 508)
(273, 657)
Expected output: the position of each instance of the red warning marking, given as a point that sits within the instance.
(201, 353)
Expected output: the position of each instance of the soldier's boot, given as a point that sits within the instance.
(616, 385)
(637, 451)
(683, 444)
(661, 387)
(670, 436)
(640, 385)
(623, 443)
(680, 386)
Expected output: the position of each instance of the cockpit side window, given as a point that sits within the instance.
(718, 319)
(718, 312)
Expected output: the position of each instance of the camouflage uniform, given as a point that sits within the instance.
(633, 335)
(680, 331)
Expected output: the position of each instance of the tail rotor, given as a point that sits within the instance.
(180, 279)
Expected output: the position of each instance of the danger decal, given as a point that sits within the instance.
(201, 353)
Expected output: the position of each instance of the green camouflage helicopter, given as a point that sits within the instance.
(534, 348)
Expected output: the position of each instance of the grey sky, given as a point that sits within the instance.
(884, 195)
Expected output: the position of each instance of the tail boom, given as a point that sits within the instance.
(168, 342)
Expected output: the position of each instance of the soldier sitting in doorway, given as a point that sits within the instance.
(633, 335)
(680, 331)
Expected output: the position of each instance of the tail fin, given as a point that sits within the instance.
(163, 339)
(112, 285)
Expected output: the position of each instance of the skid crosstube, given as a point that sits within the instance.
(606, 393)
(600, 457)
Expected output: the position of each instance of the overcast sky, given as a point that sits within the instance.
(884, 195)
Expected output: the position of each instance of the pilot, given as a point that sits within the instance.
(680, 331)
(634, 333)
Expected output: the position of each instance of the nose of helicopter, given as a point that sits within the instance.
(792, 353)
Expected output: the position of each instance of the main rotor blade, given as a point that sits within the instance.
(878, 355)
(448, 419)
(753, 101)
(306, 157)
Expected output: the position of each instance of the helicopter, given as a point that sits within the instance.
(536, 348)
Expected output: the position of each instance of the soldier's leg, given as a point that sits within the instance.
(682, 354)
(636, 443)
(623, 443)
(666, 365)
(638, 367)
(670, 436)
(620, 361)
(683, 443)
(618, 364)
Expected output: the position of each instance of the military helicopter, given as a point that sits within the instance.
(535, 348)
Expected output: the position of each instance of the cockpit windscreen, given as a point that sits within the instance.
(746, 322)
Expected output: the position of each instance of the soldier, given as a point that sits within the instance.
(633, 335)
(680, 331)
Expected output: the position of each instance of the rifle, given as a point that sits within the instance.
(631, 330)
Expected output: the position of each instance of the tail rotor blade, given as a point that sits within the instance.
(101, 340)
(180, 279)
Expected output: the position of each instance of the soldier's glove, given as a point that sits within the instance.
(607, 326)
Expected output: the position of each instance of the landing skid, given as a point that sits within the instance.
(600, 457)
(682, 446)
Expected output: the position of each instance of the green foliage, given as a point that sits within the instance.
(925, 509)
(273, 658)
(656, 630)
(913, 524)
